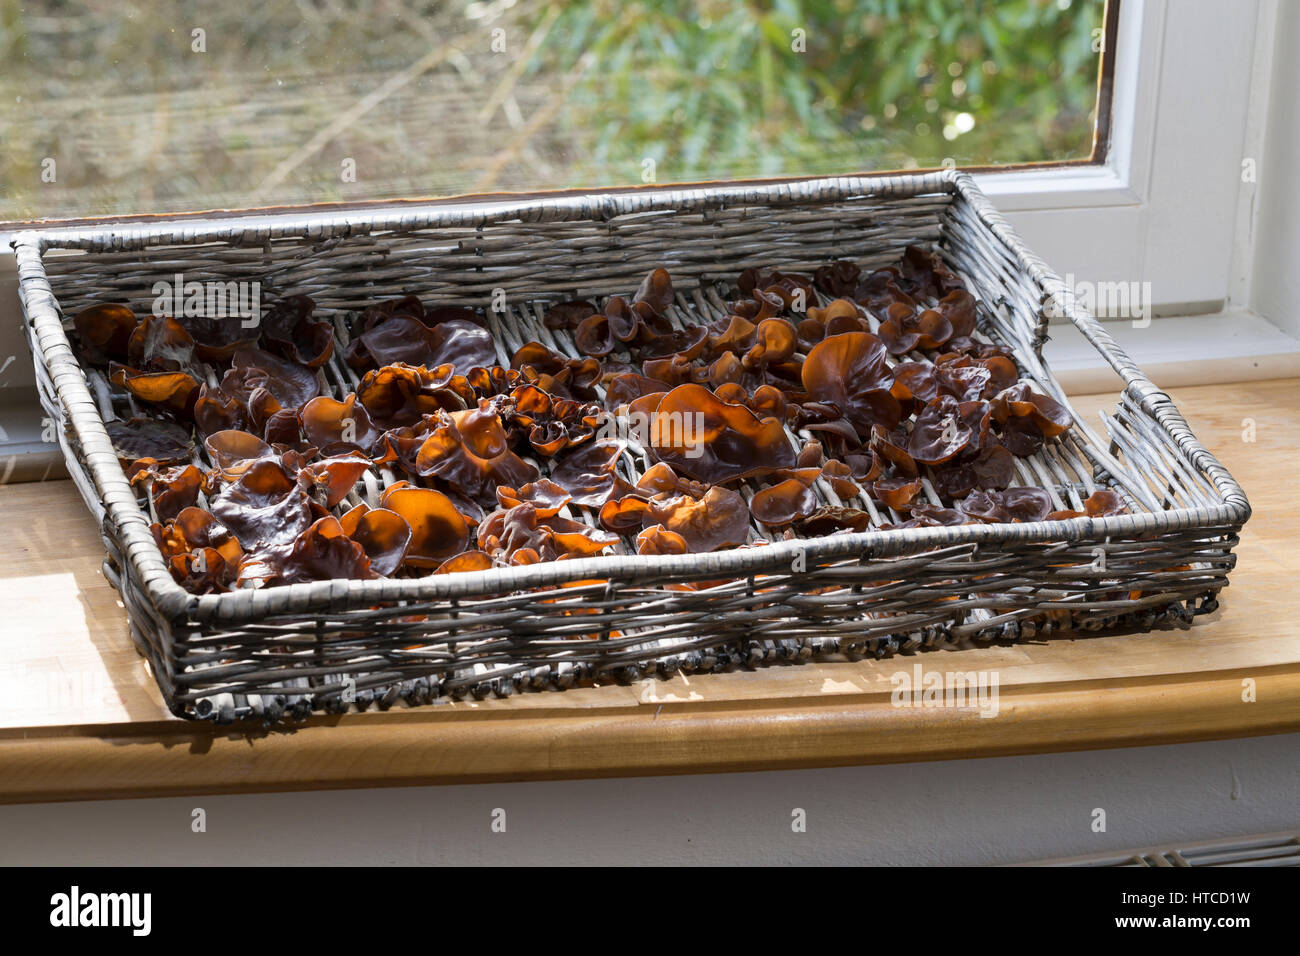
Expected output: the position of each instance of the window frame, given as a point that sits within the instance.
(1107, 218)
(1162, 207)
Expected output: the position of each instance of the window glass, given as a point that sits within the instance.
(155, 107)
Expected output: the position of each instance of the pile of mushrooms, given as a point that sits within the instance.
(444, 459)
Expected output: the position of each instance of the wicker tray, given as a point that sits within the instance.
(330, 645)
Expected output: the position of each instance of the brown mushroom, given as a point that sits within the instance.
(103, 332)
(703, 437)
(383, 534)
(438, 530)
(849, 372)
(719, 519)
(784, 503)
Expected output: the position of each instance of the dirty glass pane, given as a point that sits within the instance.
(135, 106)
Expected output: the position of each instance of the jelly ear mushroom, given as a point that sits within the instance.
(828, 520)
(994, 467)
(840, 476)
(660, 478)
(865, 465)
(595, 335)
(176, 391)
(557, 374)
(624, 321)
(710, 440)
(202, 571)
(657, 539)
(939, 434)
(396, 396)
(736, 333)
(160, 344)
(567, 315)
(481, 431)
(334, 426)
(201, 530)
(768, 401)
(849, 372)
(587, 472)
(624, 515)
(810, 455)
(1020, 401)
(466, 561)
(170, 489)
(839, 278)
(383, 534)
(958, 308)
(321, 552)
(288, 328)
(215, 410)
(784, 503)
(926, 274)
(438, 529)
(264, 507)
(446, 454)
(733, 393)
(231, 448)
(1104, 502)
(576, 538)
(1026, 504)
(103, 332)
(626, 387)
(687, 343)
(915, 380)
(292, 383)
(896, 493)
(929, 515)
(905, 329)
(461, 343)
(1011, 504)
(148, 438)
(890, 447)
(719, 519)
(656, 291)
(775, 341)
(544, 495)
(330, 479)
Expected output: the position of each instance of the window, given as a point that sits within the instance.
(115, 110)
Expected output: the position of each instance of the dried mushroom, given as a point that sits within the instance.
(710, 440)
(446, 459)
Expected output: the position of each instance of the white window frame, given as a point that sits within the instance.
(1163, 207)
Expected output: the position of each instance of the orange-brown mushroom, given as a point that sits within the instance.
(784, 503)
(896, 493)
(174, 390)
(849, 372)
(383, 534)
(703, 437)
(657, 539)
(474, 560)
(720, 519)
(438, 529)
(103, 332)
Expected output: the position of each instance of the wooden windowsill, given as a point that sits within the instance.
(80, 718)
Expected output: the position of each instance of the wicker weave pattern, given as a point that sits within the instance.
(290, 649)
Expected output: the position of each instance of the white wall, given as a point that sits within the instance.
(1008, 809)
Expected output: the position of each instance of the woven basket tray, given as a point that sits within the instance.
(284, 651)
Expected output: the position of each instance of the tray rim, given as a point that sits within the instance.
(118, 502)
